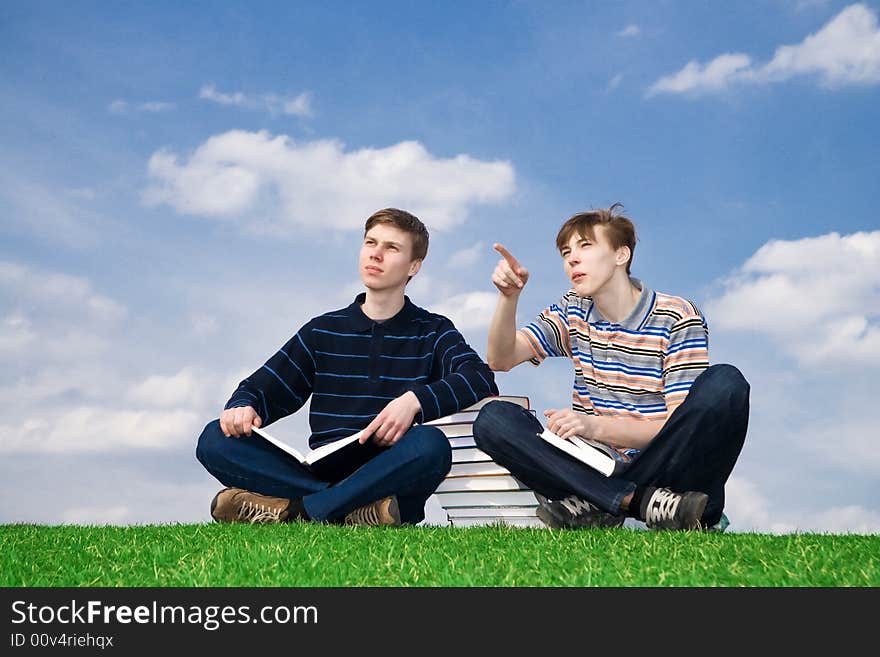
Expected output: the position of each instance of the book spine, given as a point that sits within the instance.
(469, 455)
(450, 500)
(494, 482)
(494, 511)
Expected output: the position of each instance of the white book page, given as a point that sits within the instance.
(592, 457)
(319, 452)
(295, 453)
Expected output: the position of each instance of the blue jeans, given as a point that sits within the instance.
(695, 450)
(411, 469)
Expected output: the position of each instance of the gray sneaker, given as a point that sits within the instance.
(668, 510)
(574, 512)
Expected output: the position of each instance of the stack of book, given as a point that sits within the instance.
(478, 491)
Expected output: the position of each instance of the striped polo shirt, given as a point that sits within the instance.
(352, 366)
(640, 368)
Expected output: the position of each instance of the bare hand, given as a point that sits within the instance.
(237, 421)
(509, 276)
(393, 421)
(566, 423)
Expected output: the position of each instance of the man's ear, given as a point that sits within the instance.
(622, 255)
(414, 267)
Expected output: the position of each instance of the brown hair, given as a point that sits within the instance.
(620, 230)
(408, 223)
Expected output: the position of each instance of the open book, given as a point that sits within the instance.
(598, 456)
(323, 457)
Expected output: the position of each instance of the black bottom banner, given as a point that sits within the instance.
(238, 620)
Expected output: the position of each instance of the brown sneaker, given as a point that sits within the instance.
(376, 514)
(240, 505)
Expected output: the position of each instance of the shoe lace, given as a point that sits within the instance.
(365, 515)
(576, 506)
(254, 512)
(663, 506)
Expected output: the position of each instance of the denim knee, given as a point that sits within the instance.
(210, 443)
(488, 431)
(430, 447)
(720, 387)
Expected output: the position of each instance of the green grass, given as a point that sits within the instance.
(324, 555)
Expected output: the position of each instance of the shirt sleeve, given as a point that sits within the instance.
(459, 377)
(687, 356)
(548, 335)
(283, 384)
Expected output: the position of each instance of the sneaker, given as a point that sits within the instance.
(384, 512)
(668, 510)
(573, 512)
(240, 505)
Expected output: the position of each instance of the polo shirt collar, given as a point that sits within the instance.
(360, 322)
(636, 319)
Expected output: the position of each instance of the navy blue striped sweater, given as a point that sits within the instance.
(352, 367)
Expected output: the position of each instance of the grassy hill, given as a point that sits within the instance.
(324, 555)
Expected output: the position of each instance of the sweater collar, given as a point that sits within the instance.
(360, 322)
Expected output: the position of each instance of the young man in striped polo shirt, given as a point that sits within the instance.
(642, 384)
(380, 365)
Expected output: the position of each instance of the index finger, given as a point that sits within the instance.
(507, 255)
(368, 432)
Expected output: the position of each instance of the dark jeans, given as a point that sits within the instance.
(411, 469)
(695, 450)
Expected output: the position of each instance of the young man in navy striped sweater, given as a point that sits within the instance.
(379, 365)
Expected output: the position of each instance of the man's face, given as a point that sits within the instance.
(385, 261)
(591, 263)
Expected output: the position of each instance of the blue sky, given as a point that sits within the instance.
(182, 187)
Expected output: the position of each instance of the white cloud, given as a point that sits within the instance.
(614, 82)
(843, 442)
(426, 289)
(203, 324)
(99, 429)
(57, 290)
(54, 319)
(69, 371)
(817, 299)
(282, 185)
(184, 388)
(15, 333)
(801, 319)
(750, 510)
(846, 51)
(714, 76)
(156, 106)
(852, 519)
(630, 31)
(96, 515)
(51, 213)
(466, 257)
(122, 106)
(300, 105)
(469, 310)
(84, 193)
